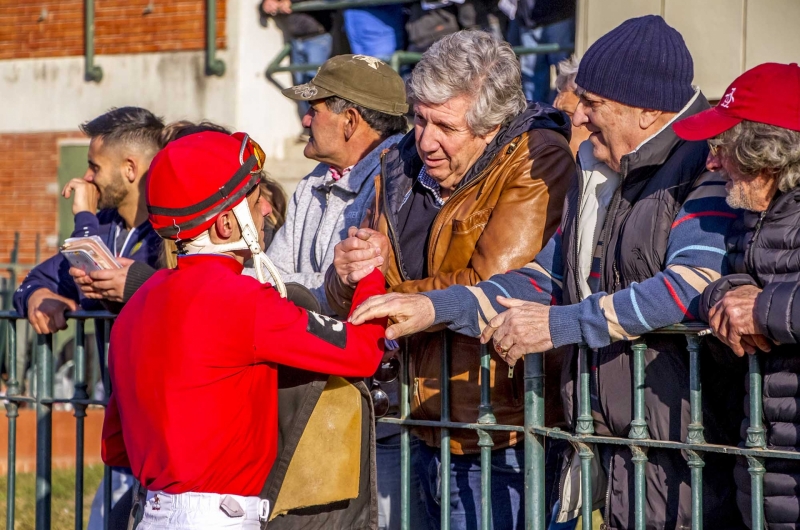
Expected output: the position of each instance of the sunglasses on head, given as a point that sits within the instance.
(249, 146)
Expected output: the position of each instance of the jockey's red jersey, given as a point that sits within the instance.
(193, 373)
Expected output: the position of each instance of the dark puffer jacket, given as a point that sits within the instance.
(764, 249)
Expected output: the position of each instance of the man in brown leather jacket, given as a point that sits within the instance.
(475, 190)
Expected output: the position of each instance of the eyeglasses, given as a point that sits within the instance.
(714, 146)
(255, 150)
(387, 372)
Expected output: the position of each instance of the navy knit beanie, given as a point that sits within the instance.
(643, 63)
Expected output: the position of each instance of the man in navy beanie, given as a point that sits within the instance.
(643, 234)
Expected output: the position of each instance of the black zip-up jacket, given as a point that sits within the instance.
(764, 250)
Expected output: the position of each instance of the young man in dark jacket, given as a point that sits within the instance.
(107, 202)
(754, 135)
(643, 234)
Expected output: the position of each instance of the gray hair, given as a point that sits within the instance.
(384, 124)
(757, 147)
(567, 71)
(473, 64)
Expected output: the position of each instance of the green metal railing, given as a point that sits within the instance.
(94, 73)
(43, 401)
(534, 431)
(214, 66)
(396, 61)
(584, 439)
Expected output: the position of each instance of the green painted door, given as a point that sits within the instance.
(71, 164)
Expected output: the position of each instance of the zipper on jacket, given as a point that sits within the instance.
(514, 386)
(750, 259)
(392, 234)
(607, 510)
(315, 262)
(605, 234)
(561, 482)
(576, 243)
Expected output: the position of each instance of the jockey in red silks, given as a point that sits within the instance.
(193, 354)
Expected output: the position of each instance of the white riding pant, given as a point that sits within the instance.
(202, 511)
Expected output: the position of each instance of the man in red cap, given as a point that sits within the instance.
(754, 135)
(194, 352)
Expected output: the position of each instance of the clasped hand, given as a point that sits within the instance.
(733, 321)
(356, 257)
(523, 328)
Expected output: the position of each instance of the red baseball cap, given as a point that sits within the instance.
(197, 177)
(768, 93)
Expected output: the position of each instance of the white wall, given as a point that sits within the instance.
(51, 95)
(725, 37)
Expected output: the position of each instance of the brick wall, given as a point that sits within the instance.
(29, 192)
(26, 31)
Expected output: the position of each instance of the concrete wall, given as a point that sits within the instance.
(726, 37)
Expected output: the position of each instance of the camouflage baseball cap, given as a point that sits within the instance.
(360, 79)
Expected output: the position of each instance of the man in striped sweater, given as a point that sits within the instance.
(643, 233)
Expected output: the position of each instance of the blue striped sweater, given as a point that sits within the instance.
(695, 258)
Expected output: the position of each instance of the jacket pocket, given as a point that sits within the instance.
(475, 222)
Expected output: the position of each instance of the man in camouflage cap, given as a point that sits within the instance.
(357, 110)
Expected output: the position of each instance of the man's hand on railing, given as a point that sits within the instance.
(107, 284)
(733, 321)
(411, 313)
(523, 328)
(46, 311)
(359, 254)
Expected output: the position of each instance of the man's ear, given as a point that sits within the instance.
(131, 168)
(224, 225)
(488, 137)
(647, 117)
(352, 120)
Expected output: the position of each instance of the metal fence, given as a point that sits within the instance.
(43, 400)
(534, 430)
(584, 440)
(396, 61)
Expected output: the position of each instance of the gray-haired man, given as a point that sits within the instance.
(754, 134)
(357, 108)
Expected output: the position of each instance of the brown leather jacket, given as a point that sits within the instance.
(506, 208)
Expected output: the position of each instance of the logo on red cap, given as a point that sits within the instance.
(728, 99)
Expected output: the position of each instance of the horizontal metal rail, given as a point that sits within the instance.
(335, 5)
(396, 61)
(694, 447)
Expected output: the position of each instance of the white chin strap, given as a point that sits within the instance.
(202, 245)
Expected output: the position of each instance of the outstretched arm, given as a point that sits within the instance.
(286, 334)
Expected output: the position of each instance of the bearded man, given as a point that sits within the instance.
(754, 136)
